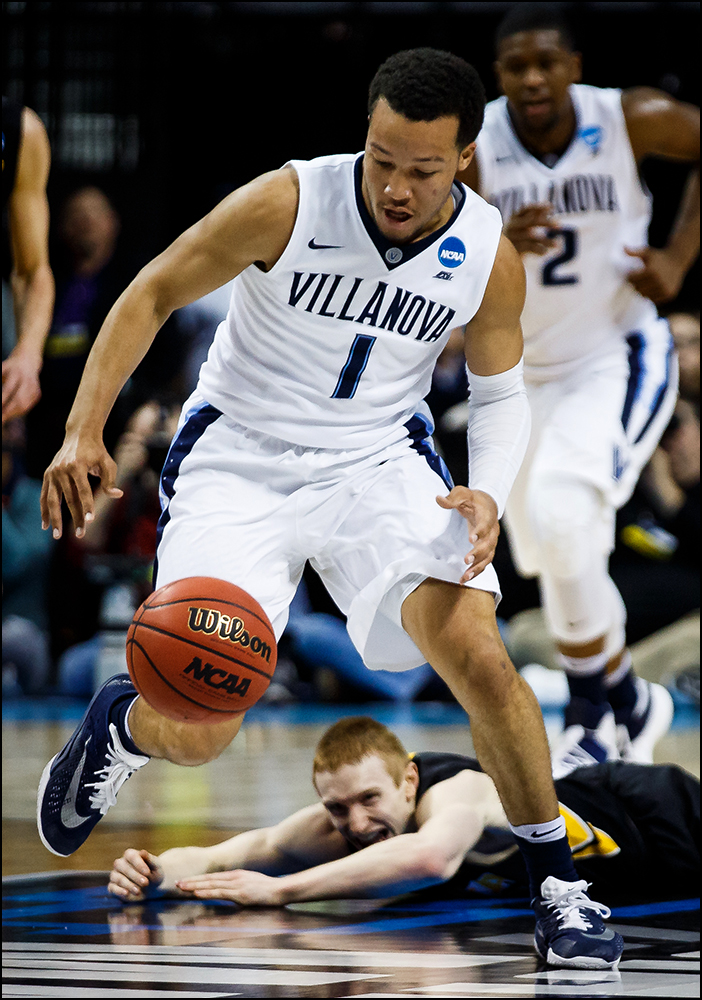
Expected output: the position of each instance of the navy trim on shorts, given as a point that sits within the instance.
(191, 431)
(420, 433)
(658, 399)
(636, 344)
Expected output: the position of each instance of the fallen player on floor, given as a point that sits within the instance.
(389, 823)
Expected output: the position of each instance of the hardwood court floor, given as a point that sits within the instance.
(64, 935)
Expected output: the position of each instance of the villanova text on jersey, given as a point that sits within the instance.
(386, 307)
(569, 195)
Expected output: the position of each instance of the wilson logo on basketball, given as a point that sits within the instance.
(208, 673)
(209, 621)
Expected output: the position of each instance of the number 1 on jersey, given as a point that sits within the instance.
(354, 367)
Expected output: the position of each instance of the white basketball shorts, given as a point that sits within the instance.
(242, 506)
(598, 426)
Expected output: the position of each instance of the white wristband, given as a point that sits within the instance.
(499, 422)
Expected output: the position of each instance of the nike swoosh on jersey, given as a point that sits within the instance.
(323, 246)
(69, 816)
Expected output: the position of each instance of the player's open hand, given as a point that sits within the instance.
(134, 874)
(67, 477)
(480, 511)
(659, 278)
(243, 887)
(531, 229)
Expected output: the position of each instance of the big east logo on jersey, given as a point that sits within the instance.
(452, 252)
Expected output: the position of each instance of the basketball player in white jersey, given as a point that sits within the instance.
(561, 162)
(305, 440)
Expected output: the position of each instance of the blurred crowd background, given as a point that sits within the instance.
(154, 112)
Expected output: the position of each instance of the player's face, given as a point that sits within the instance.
(364, 803)
(535, 70)
(408, 170)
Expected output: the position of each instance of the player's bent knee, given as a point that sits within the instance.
(567, 520)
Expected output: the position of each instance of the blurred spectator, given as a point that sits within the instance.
(26, 158)
(685, 328)
(88, 282)
(25, 547)
(91, 273)
(113, 562)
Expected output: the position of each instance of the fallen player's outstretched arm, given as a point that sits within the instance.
(303, 839)
(401, 864)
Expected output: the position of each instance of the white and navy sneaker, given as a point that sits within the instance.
(81, 782)
(589, 737)
(570, 929)
(640, 728)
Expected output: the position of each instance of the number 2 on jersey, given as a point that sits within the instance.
(549, 272)
(355, 366)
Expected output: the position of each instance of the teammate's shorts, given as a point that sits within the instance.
(598, 426)
(241, 506)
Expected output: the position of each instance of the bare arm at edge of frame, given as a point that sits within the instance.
(32, 280)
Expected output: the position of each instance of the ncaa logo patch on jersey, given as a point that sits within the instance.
(452, 252)
(592, 135)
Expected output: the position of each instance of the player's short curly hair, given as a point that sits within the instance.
(534, 17)
(425, 84)
(348, 741)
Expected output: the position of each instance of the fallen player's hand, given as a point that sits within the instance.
(480, 511)
(532, 229)
(243, 887)
(134, 874)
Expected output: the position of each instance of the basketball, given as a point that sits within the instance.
(201, 650)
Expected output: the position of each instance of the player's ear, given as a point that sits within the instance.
(412, 777)
(576, 67)
(465, 156)
(498, 75)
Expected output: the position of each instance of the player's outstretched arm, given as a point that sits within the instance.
(251, 226)
(662, 127)
(32, 280)
(499, 421)
(451, 823)
(303, 839)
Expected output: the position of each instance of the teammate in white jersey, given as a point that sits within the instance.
(561, 162)
(302, 443)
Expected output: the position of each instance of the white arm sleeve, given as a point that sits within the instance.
(499, 422)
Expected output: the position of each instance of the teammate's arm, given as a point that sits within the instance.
(451, 819)
(252, 225)
(499, 421)
(32, 280)
(662, 127)
(303, 839)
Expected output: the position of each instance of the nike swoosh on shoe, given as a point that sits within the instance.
(69, 816)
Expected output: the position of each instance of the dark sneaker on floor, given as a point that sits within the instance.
(640, 728)
(570, 928)
(589, 737)
(81, 782)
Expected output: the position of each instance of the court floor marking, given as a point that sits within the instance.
(196, 954)
(88, 992)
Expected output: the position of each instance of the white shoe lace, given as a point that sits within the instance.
(571, 904)
(120, 765)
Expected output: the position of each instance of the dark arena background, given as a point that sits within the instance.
(166, 108)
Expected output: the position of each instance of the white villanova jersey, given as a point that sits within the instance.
(334, 347)
(579, 304)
